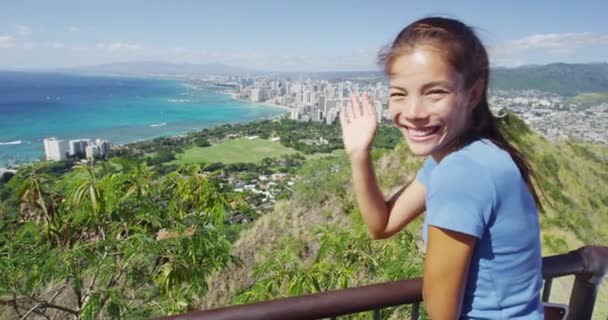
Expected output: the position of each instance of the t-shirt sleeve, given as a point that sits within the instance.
(424, 173)
(460, 197)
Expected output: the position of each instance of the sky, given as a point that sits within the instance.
(304, 35)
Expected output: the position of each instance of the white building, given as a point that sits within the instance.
(78, 146)
(257, 95)
(104, 146)
(55, 149)
(92, 151)
(98, 149)
(295, 114)
(378, 107)
(331, 116)
(317, 115)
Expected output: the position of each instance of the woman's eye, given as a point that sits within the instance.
(437, 92)
(397, 95)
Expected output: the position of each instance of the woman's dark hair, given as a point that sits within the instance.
(463, 50)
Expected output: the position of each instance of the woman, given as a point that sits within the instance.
(481, 229)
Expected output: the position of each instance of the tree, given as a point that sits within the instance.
(202, 142)
(123, 243)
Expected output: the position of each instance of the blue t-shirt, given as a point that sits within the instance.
(479, 191)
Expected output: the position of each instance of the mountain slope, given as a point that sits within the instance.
(562, 78)
(281, 253)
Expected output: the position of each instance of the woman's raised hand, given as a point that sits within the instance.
(358, 122)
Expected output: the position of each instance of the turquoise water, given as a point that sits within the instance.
(34, 106)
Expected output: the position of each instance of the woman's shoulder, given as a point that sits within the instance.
(481, 161)
(480, 155)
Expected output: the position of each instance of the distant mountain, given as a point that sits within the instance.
(562, 78)
(157, 68)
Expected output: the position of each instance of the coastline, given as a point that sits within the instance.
(17, 164)
(266, 103)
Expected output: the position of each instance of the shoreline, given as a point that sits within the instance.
(287, 109)
(265, 103)
(233, 95)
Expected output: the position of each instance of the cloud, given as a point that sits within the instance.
(73, 29)
(560, 41)
(23, 31)
(7, 42)
(119, 47)
(556, 45)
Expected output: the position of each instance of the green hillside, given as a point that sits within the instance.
(588, 99)
(234, 151)
(120, 239)
(562, 78)
(316, 241)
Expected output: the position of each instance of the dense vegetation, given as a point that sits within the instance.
(306, 137)
(327, 246)
(122, 239)
(588, 99)
(111, 241)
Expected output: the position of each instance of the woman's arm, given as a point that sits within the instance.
(446, 267)
(382, 218)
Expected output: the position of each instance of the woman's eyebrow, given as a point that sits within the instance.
(397, 88)
(436, 83)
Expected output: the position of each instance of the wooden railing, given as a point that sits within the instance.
(587, 264)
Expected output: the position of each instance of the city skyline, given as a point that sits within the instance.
(284, 36)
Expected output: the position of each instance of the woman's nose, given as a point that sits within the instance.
(415, 109)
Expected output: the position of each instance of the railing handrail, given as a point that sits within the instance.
(589, 264)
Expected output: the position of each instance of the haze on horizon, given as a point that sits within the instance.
(284, 36)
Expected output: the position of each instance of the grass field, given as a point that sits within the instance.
(233, 151)
(589, 98)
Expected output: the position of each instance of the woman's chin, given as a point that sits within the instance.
(420, 151)
(421, 148)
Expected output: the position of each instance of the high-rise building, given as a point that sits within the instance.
(104, 146)
(378, 107)
(98, 149)
(257, 95)
(78, 146)
(295, 114)
(55, 149)
(332, 114)
(306, 97)
(321, 104)
(317, 115)
(93, 151)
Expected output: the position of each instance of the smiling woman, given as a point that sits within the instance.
(481, 228)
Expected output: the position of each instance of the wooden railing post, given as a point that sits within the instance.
(586, 284)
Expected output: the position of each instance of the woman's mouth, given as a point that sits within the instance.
(422, 134)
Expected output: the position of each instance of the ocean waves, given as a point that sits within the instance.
(11, 143)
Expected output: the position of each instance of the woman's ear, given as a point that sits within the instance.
(475, 93)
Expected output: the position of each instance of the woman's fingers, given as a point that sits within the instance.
(355, 105)
(355, 109)
(369, 109)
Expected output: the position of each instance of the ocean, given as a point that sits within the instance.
(34, 106)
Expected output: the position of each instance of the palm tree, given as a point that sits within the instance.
(35, 199)
(85, 201)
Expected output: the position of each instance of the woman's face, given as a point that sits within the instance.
(428, 102)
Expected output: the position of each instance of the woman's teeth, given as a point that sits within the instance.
(423, 132)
